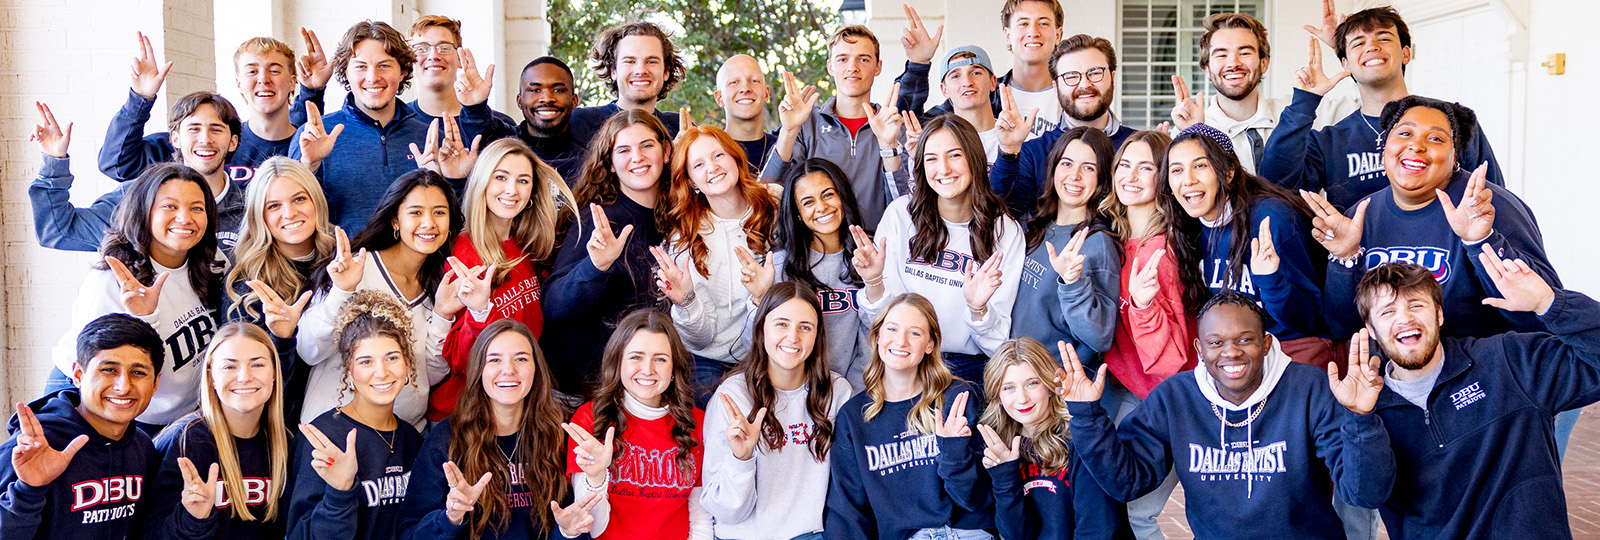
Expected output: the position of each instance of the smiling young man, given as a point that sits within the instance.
(436, 42)
(1234, 55)
(1032, 30)
(74, 467)
(639, 65)
(1345, 160)
(547, 96)
(968, 78)
(742, 92)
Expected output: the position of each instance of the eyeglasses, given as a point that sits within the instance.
(1072, 78)
(444, 49)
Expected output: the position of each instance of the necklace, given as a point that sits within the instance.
(516, 448)
(1377, 139)
(387, 441)
(1253, 414)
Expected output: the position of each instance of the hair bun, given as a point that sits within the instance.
(383, 307)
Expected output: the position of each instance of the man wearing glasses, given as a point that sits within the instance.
(1085, 69)
(436, 41)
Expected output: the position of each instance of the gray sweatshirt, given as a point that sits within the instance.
(846, 327)
(825, 136)
(1084, 312)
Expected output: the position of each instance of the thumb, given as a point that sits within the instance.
(164, 69)
(211, 477)
(555, 509)
(1333, 373)
(1498, 303)
(626, 230)
(336, 131)
(1311, 29)
(67, 133)
(350, 442)
(1444, 200)
(1361, 212)
(1100, 377)
(300, 304)
(483, 480)
(73, 447)
(1338, 77)
(155, 287)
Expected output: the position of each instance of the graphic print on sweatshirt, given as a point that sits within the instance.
(191, 333)
(517, 495)
(835, 301)
(949, 261)
(910, 449)
(390, 489)
(1366, 167)
(107, 499)
(1041, 479)
(652, 473)
(1215, 272)
(516, 298)
(255, 492)
(1238, 461)
(1436, 260)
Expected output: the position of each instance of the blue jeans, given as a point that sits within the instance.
(947, 533)
(708, 374)
(969, 367)
(806, 536)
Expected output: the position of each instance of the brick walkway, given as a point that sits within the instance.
(1581, 469)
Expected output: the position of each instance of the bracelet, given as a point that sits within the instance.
(603, 483)
(687, 299)
(875, 282)
(1350, 262)
(887, 153)
(980, 312)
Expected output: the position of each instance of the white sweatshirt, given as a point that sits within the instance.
(711, 324)
(940, 281)
(319, 347)
(180, 318)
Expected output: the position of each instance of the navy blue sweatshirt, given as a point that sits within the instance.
(1481, 461)
(191, 437)
(1020, 178)
(470, 127)
(127, 150)
(1423, 236)
(371, 508)
(423, 514)
(95, 497)
(1344, 160)
(1297, 442)
(889, 481)
(1289, 295)
(365, 160)
(60, 225)
(756, 152)
(1029, 503)
(561, 151)
(586, 121)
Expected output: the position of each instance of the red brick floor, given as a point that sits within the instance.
(1581, 469)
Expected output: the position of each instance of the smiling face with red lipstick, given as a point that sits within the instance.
(1419, 155)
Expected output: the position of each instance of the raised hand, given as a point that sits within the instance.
(604, 247)
(315, 142)
(920, 46)
(199, 492)
(455, 158)
(743, 435)
(757, 276)
(981, 285)
(1263, 255)
(345, 270)
(672, 280)
(1073, 383)
(1312, 79)
(576, 519)
(336, 467)
(1338, 234)
(1144, 285)
(475, 284)
(148, 74)
(35, 462)
(1189, 110)
(593, 456)
(869, 259)
(446, 299)
(136, 298)
(1329, 23)
(954, 425)
(281, 317)
(52, 139)
(995, 450)
(471, 88)
(684, 122)
(314, 68)
(1069, 262)
(1013, 126)
(1474, 219)
(886, 121)
(463, 496)
(1358, 390)
(913, 128)
(1521, 289)
(795, 109)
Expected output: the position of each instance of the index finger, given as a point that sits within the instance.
(120, 271)
(894, 95)
(341, 242)
(860, 236)
(1008, 101)
(315, 437)
(459, 267)
(266, 293)
(452, 475)
(1266, 230)
(959, 408)
(187, 470)
(578, 434)
(990, 438)
(1315, 61)
(599, 216)
(147, 51)
(790, 86)
(29, 422)
(732, 408)
(1069, 358)
(313, 115)
(1181, 87)
(912, 19)
(745, 258)
(1152, 264)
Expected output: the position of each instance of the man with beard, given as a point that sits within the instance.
(436, 42)
(1031, 27)
(1085, 70)
(204, 131)
(1345, 160)
(1470, 419)
(1234, 54)
(742, 93)
(639, 64)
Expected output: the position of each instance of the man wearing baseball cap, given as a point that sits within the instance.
(968, 78)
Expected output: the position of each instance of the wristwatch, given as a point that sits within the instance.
(887, 153)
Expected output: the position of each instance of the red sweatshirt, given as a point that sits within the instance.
(515, 298)
(1155, 342)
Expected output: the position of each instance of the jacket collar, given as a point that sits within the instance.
(402, 112)
(1454, 364)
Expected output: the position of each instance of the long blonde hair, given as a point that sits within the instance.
(932, 374)
(1050, 445)
(534, 228)
(256, 256)
(271, 422)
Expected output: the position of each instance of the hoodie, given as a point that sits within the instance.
(191, 437)
(1152, 343)
(1270, 470)
(98, 493)
(366, 158)
(60, 225)
(371, 508)
(127, 150)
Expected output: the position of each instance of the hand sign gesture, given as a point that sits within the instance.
(281, 317)
(474, 284)
(1144, 285)
(148, 75)
(48, 133)
(199, 493)
(136, 298)
(954, 425)
(1073, 383)
(446, 300)
(995, 451)
(1340, 235)
(1311, 77)
(743, 435)
(315, 142)
(593, 456)
(604, 247)
(1330, 23)
(1014, 127)
(1069, 263)
(1474, 219)
(471, 88)
(913, 127)
(1359, 389)
(315, 70)
(756, 275)
(345, 269)
(685, 123)
(1263, 255)
(447, 157)
(1189, 110)
(795, 109)
(463, 496)
(886, 121)
(869, 257)
(981, 284)
(672, 280)
(336, 467)
(1520, 288)
(34, 461)
(919, 45)
(576, 519)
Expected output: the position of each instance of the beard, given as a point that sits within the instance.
(1236, 93)
(1415, 359)
(1098, 109)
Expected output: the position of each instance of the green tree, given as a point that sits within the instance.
(784, 35)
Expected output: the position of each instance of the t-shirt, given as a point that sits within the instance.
(1416, 390)
(854, 123)
(1049, 105)
(649, 493)
(991, 144)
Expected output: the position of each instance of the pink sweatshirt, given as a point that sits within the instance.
(1155, 342)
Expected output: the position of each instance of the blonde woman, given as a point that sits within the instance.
(238, 436)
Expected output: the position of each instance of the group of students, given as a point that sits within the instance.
(609, 322)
